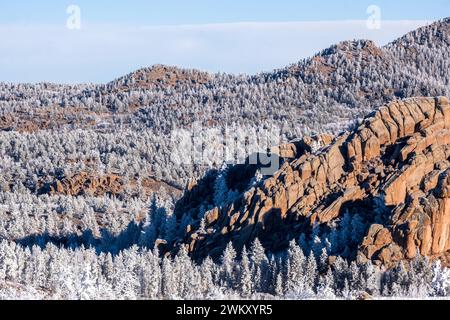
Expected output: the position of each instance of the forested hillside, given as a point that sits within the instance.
(94, 166)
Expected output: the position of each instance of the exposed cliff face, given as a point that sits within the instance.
(395, 164)
(85, 183)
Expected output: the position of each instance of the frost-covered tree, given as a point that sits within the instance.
(228, 265)
(246, 281)
(296, 262)
(325, 286)
(76, 239)
(441, 280)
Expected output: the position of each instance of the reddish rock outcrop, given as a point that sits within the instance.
(48, 118)
(161, 76)
(85, 183)
(396, 160)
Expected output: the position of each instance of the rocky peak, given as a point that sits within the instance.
(161, 76)
(393, 171)
(354, 48)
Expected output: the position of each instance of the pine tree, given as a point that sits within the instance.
(183, 270)
(126, 281)
(371, 278)
(88, 285)
(397, 291)
(168, 285)
(279, 288)
(310, 272)
(228, 266)
(403, 278)
(3, 261)
(341, 273)
(355, 277)
(150, 275)
(8, 260)
(441, 280)
(67, 285)
(40, 268)
(421, 273)
(259, 266)
(245, 276)
(296, 281)
(207, 271)
(323, 261)
(104, 290)
(325, 286)
(346, 292)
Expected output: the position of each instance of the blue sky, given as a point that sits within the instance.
(170, 12)
(239, 36)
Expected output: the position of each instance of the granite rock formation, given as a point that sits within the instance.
(395, 162)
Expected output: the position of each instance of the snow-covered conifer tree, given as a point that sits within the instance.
(245, 276)
(228, 265)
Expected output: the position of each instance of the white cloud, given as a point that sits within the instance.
(99, 53)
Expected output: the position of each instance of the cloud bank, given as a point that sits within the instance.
(100, 53)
